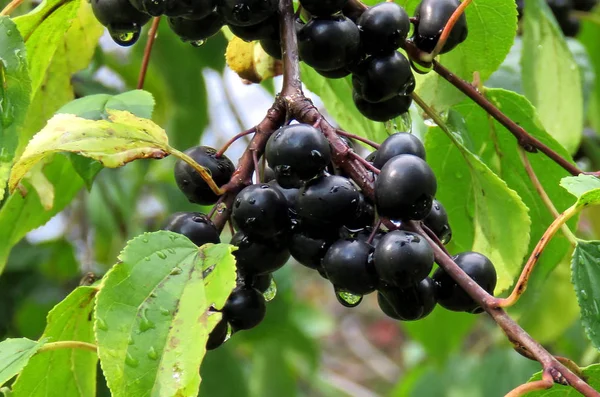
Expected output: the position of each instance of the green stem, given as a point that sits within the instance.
(68, 344)
(199, 169)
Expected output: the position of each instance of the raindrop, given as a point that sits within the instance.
(152, 354)
(147, 259)
(229, 333)
(145, 239)
(145, 323)
(130, 341)
(101, 324)
(165, 312)
(171, 250)
(132, 362)
(161, 255)
(125, 37)
(347, 299)
(271, 291)
(198, 43)
(583, 294)
(176, 271)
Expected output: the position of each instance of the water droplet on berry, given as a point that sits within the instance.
(198, 43)
(125, 38)
(347, 299)
(229, 332)
(271, 291)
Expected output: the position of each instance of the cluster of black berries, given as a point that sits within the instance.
(310, 210)
(562, 10)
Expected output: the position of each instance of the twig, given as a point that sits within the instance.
(233, 139)
(448, 28)
(148, 52)
(364, 162)
(358, 138)
(10, 7)
(521, 284)
(69, 344)
(525, 388)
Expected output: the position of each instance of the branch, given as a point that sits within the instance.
(148, 52)
(10, 7)
(69, 344)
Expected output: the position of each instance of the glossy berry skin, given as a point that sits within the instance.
(190, 9)
(246, 12)
(272, 47)
(584, 5)
(334, 74)
(383, 28)
(309, 250)
(261, 211)
(432, 16)
(327, 201)
(267, 29)
(195, 226)
(196, 29)
(365, 216)
(217, 336)
(405, 188)
(409, 303)
(382, 77)
(262, 282)
(298, 151)
(437, 221)
(403, 258)
(256, 257)
(397, 144)
(191, 183)
(323, 8)
(119, 16)
(290, 194)
(245, 308)
(382, 111)
(451, 296)
(329, 44)
(349, 266)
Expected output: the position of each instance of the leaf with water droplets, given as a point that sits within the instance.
(586, 279)
(64, 372)
(585, 187)
(152, 319)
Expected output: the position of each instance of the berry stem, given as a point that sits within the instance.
(10, 7)
(152, 33)
(256, 166)
(376, 227)
(521, 284)
(292, 86)
(68, 344)
(525, 388)
(230, 142)
(448, 28)
(199, 169)
(364, 162)
(374, 145)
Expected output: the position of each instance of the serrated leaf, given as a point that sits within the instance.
(485, 211)
(492, 28)
(585, 187)
(15, 90)
(592, 376)
(14, 356)
(586, 280)
(64, 372)
(113, 142)
(551, 78)
(499, 150)
(152, 318)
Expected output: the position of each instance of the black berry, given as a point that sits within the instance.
(195, 226)
(451, 295)
(218, 335)
(262, 282)
(246, 12)
(383, 28)
(297, 151)
(382, 77)
(382, 111)
(405, 188)
(329, 44)
(437, 221)
(403, 258)
(123, 21)
(191, 183)
(195, 30)
(257, 257)
(431, 18)
(267, 29)
(245, 308)
(349, 266)
(409, 303)
(323, 8)
(397, 144)
(261, 211)
(309, 250)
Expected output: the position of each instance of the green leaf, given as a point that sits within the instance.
(61, 36)
(14, 356)
(551, 77)
(152, 318)
(485, 211)
(499, 150)
(64, 372)
(15, 90)
(591, 373)
(586, 279)
(139, 102)
(492, 28)
(114, 143)
(19, 215)
(336, 94)
(585, 187)
(590, 31)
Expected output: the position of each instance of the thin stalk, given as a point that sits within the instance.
(148, 52)
(69, 344)
(204, 173)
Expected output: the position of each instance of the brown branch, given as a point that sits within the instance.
(231, 141)
(148, 52)
(369, 142)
